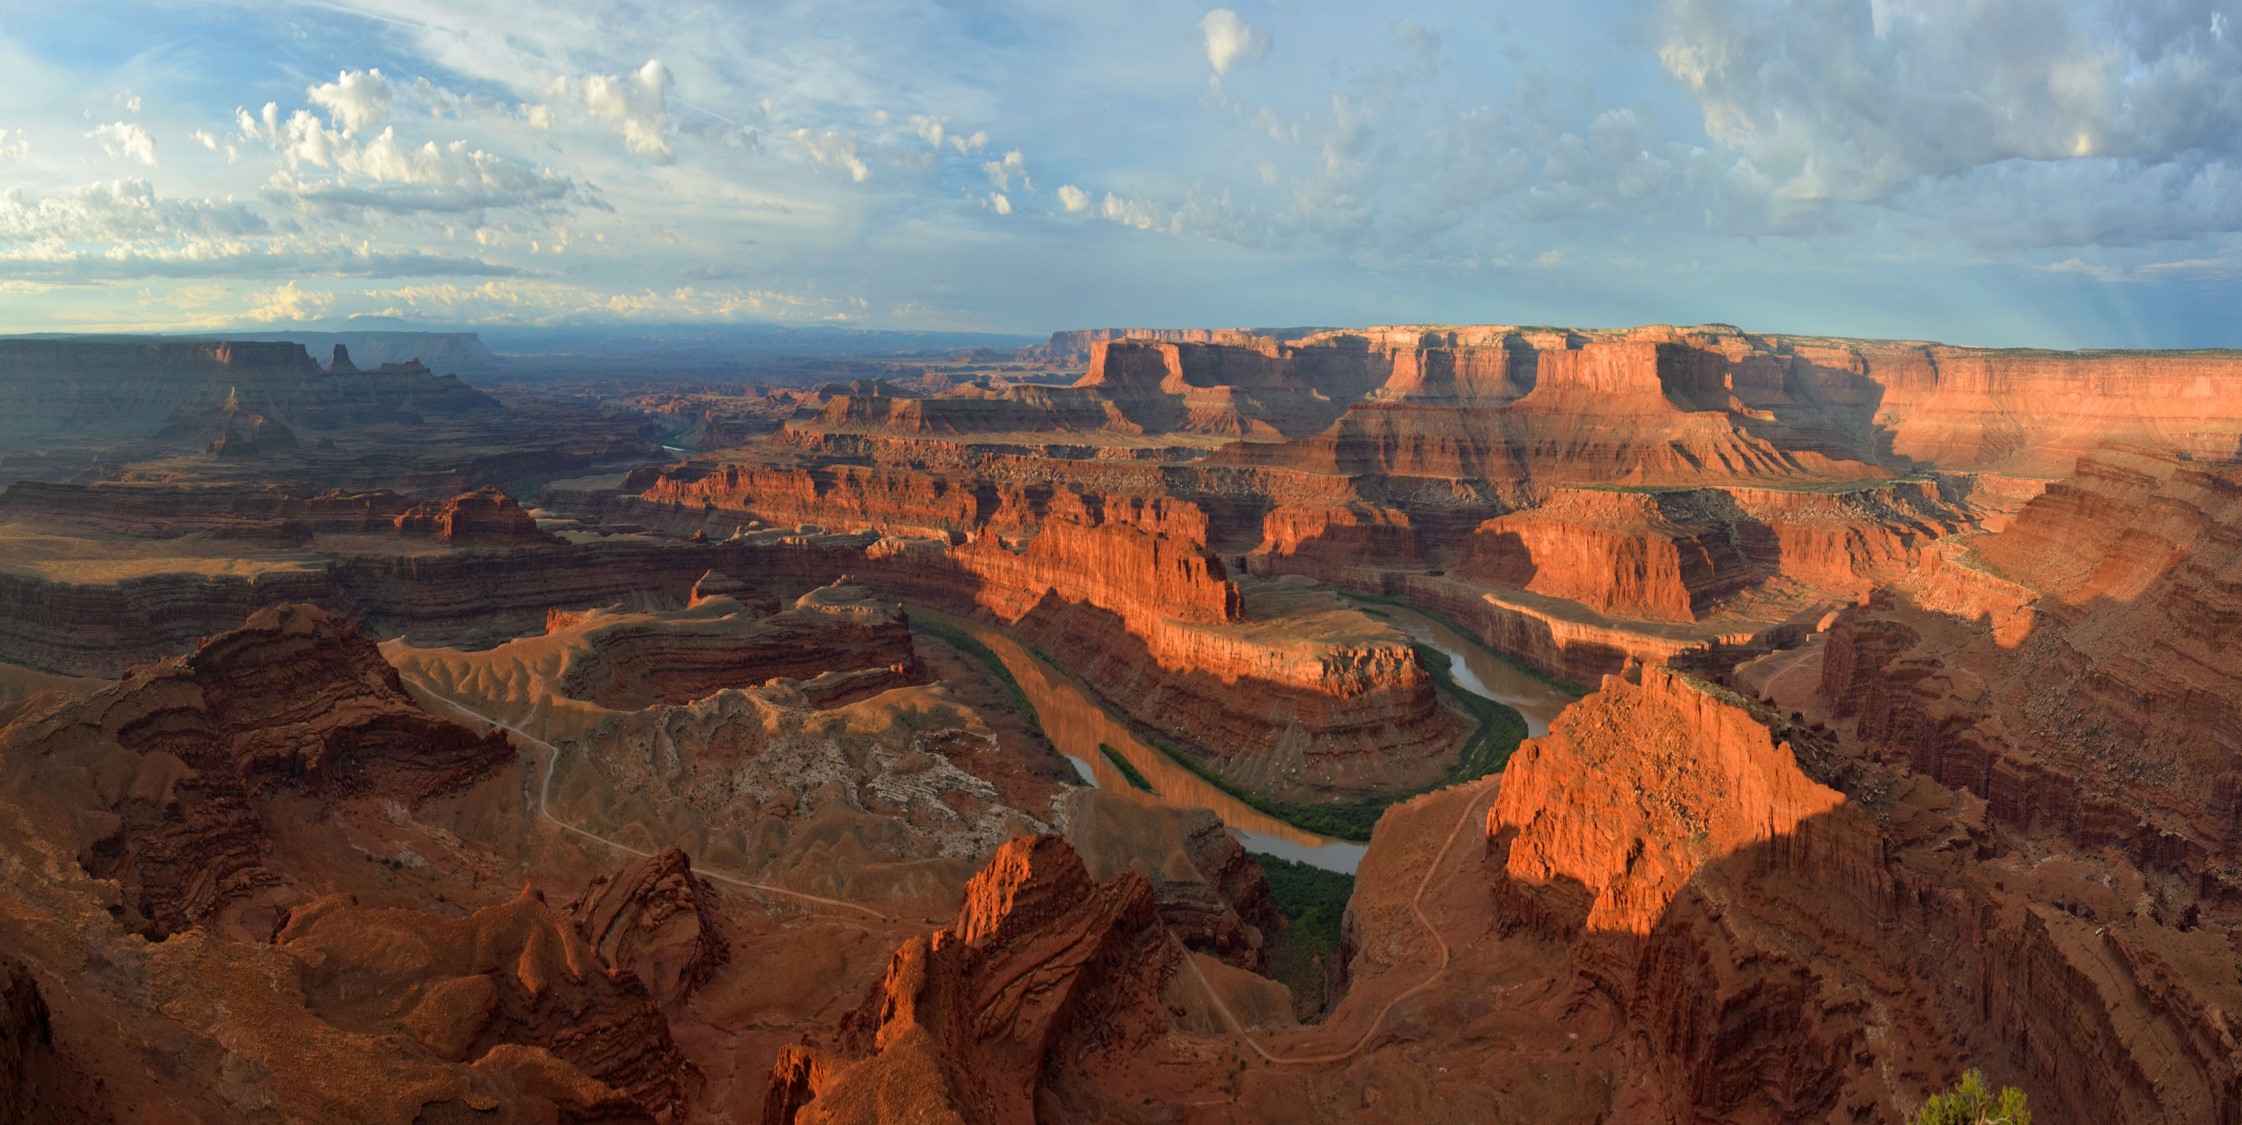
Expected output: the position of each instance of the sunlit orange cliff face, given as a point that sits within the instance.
(1416, 722)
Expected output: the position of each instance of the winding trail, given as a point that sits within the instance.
(1377, 1022)
(545, 812)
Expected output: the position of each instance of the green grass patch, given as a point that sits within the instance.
(966, 643)
(1718, 692)
(1500, 727)
(1974, 561)
(1128, 771)
(1314, 903)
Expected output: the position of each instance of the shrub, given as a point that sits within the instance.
(1974, 1103)
(1128, 772)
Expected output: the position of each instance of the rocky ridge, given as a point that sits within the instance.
(658, 920)
(166, 773)
(509, 987)
(840, 637)
(1795, 929)
(1044, 984)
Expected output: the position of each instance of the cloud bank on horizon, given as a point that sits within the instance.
(2050, 172)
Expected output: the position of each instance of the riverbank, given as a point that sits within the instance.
(1089, 735)
(1508, 705)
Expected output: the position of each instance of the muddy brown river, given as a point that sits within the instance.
(1077, 724)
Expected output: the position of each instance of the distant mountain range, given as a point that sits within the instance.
(764, 353)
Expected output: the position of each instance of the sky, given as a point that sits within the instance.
(2059, 173)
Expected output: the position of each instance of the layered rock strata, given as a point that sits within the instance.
(1158, 627)
(1211, 894)
(250, 514)
(1013, 496)
(167, 773)
(1793, 931)
(658, 920)
(1680, 554)
(1621, 554)
(1156, 624)
(2017, 411)
(486, 517)
(1565, 640)
(1044, 985)
(627, 662)
(2076, 670)
(131, 390)
(1336, 545)
(103, 628)
(508, 985)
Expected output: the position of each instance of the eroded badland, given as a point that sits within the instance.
(1716, 726)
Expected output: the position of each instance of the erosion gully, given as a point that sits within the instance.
(1078, 724)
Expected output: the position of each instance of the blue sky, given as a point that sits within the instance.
(2034, 172)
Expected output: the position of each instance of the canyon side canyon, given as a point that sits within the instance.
(1407, 723)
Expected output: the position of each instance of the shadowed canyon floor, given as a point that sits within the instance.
(1668, 724)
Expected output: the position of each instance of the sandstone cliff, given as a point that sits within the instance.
(1010, 496)
(658, 920)
(1795, 930)
(1679, 554)
(252, 515)
(166, 773)
(1073, 345)
(1675, 404)
(1335, 545)
(1211, 894)
(1154, 623)
(1044, 984)
(625, 662)
(486, 517)
(1160, 631)
(485, 990)
(2076, 670)
(1247, 390)
(115, 389)
(104, 628)
(39, 1082)
(967, 410)
(1682, 854)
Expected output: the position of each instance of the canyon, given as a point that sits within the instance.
(1412, 722)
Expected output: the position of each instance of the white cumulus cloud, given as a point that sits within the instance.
(329, 167)
(1139, 213)
(636, 104)
(291, 303)
(126, 140)
(1074, 199)
(930, 129)
(1000, 172)
(1832, 106)
(14, 145)
(1231, 40)
(356, 100)
(121, 211)
(1001, 202)
(831, 148)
